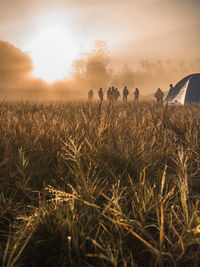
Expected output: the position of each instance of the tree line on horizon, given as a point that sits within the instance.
(94, 70)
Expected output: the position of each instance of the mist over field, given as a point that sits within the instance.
(61, 49)
(90, 70)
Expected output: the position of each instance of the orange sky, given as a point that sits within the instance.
(133, 29)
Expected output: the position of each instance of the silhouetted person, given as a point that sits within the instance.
(171, 87)
(136, 95)
(100, 93)
(90, 95)
(159, 96)
(125, 94)
(112, 94)
(170, 93)
(109, 94)
(115, 94)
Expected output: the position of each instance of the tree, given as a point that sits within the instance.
(79, 67)
(126, 76)
(96, 74)
(92, 67)
(100, 53)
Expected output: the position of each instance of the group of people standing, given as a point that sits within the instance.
(113, 94)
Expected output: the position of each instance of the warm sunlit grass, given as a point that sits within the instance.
(85, 185)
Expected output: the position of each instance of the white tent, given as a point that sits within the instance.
(186, 90)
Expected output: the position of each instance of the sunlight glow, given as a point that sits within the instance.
(53, 51)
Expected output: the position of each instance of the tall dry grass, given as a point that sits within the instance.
(89, 185)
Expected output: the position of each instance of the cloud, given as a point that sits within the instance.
(14, 64)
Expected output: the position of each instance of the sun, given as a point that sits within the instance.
(53, 51)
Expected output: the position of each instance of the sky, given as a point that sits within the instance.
(133, 29)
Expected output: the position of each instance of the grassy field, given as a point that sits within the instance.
(89, 185)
